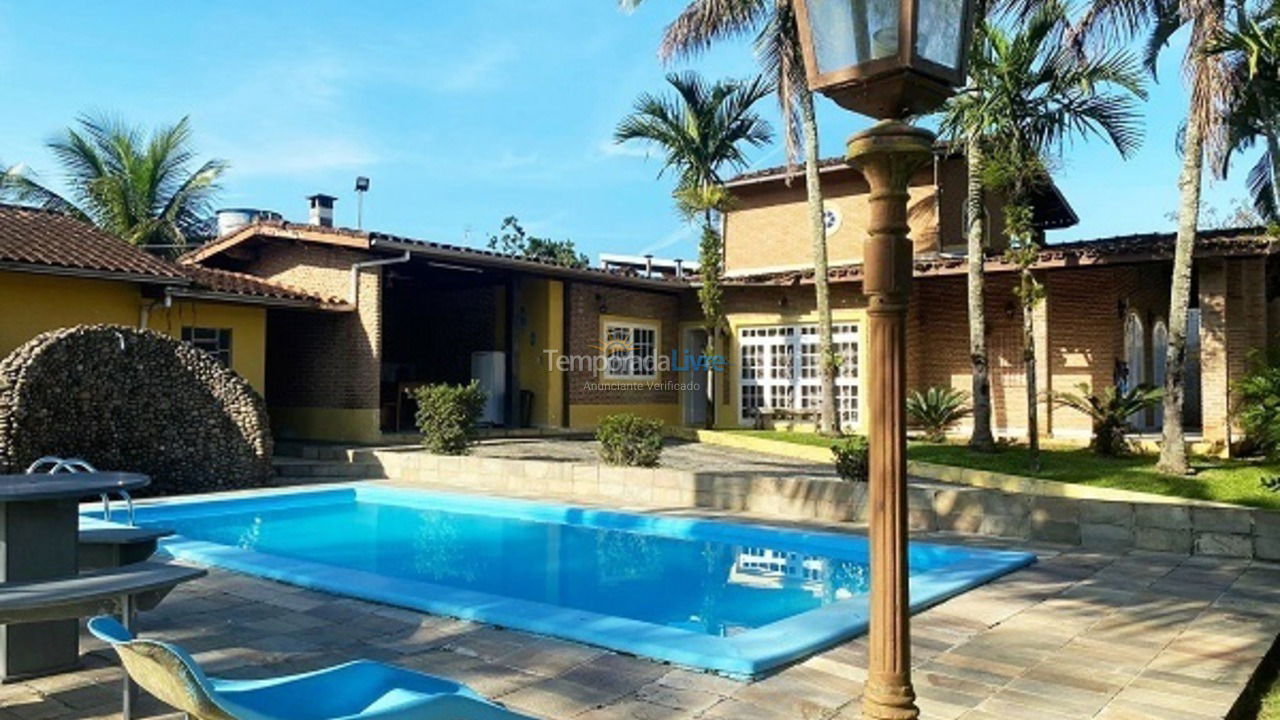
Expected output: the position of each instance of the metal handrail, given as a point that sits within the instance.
(70, 465)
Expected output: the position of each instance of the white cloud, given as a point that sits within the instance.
(684, 233)
(296, 156)
(611, 149)
(481, 70)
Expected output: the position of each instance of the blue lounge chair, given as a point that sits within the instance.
(362, 689)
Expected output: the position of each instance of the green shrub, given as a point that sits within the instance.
(1110, 411)
(937, 410)
(627, 439)
(1258, 405)
(851, 458)
(447, 416)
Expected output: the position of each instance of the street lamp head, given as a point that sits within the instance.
(885, 58)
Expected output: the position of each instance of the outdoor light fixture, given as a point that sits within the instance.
(885, 58)
(889, 59)
(362, 187)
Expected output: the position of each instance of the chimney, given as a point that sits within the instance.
(679, 268)
(321, 209)
(648, 265)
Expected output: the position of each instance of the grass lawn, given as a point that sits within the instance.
(1230, 481)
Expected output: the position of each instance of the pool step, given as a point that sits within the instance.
(293, 467)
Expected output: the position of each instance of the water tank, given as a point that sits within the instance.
(232, 219)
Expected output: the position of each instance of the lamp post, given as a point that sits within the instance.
(888, 59)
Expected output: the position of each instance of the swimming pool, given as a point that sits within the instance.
(729, 597)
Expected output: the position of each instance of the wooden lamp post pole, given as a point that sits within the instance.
(888, 154)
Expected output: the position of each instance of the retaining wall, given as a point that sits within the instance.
(1132, 522)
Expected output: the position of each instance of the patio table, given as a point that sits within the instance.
(39, 531)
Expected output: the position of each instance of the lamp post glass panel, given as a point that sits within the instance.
(888, 59)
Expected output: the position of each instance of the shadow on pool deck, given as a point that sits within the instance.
(1079, 635)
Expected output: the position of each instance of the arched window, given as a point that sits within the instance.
(1135, 356)
(1159, 346)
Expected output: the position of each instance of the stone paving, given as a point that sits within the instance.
(1078, 635)
(676, 455)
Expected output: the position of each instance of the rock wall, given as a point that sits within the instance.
(133, 400)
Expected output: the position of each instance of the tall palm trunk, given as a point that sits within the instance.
(982, 438)
(1173, 449)
(829, 422)
(1029, 359)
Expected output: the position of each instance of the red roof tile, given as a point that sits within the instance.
(226, 281)
(43, 237)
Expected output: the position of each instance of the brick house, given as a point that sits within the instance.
(420, 311)
(1104, 317)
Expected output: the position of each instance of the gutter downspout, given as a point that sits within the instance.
(357, 267)
(144, 312)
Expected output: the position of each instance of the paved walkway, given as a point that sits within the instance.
(1079, 635)
(676, 455)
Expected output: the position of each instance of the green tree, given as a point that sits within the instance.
(1038, 93)
(777, 46)
(1203, 140)
(140, 189)
(512, 239)
(701, 130)
(1252, 52)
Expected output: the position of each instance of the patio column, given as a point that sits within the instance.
(888, 155)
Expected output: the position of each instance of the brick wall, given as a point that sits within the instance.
(1233, 300)
(585, 301)
(328, 360)
(769, 226)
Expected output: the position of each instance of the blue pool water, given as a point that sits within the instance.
(722, 596)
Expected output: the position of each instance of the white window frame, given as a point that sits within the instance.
(629, 328)
(793, 383)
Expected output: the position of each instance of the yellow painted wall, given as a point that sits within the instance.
(541, 318)
(589, 416)
(32, 303)
(248, 325)
(332, 424)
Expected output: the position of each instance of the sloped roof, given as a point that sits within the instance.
(1119, 249)
(372, 241)
(227, 281)
(44, 237)
(50, 241)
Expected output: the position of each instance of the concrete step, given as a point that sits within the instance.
(300, 467)
(294, 480)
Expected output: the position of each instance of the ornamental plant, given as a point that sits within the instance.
(1258, 404)
(852, 463)
(937, 410)
(447, 416)
(1110, 411)
(627, 439)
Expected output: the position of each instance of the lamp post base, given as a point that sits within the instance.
(888, 155)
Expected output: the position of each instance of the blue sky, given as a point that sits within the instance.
(461, 113)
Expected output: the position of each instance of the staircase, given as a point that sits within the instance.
(299, 463)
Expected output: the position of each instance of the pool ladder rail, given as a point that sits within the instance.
(70, 465)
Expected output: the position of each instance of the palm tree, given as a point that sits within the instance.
(777, 44)
(981, 438)
(1037, 94)
(1204, 137)
(1253, 55)
(139, 189)
(701, 130)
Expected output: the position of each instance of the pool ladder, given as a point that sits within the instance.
(69, 465)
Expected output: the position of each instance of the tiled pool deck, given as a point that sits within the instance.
(1079, 635)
